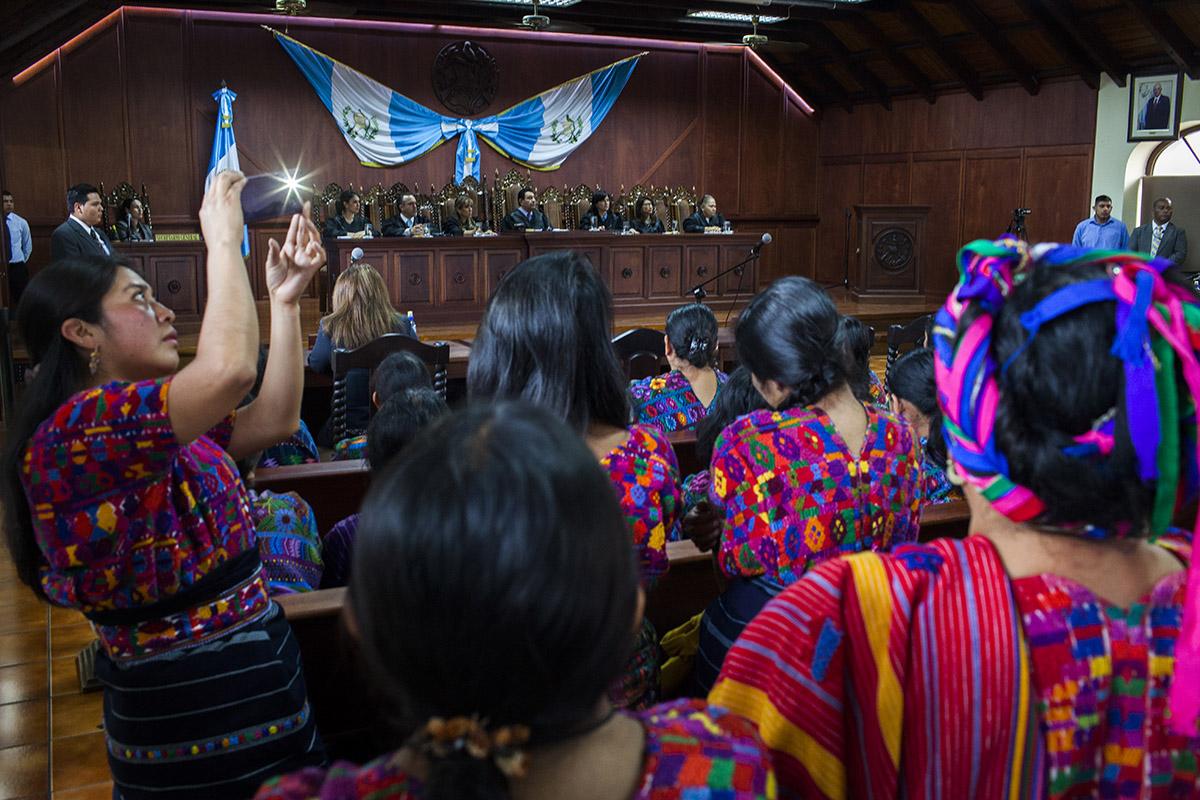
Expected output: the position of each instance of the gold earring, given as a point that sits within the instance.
(952, 474)
(94, 361)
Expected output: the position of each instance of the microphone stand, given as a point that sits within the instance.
(698, 292)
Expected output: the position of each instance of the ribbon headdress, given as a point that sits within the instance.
(1158, 334)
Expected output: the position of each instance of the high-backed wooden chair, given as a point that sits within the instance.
(628, 204)
(641, 352)
(910, 335)
(391, 200)
(324, 202)
(578, 199)
(112, 202)
(551, 202)
(372, 206)
(682, 203)
(504, 192)
(436, 356)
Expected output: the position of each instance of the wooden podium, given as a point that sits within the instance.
(891, 248)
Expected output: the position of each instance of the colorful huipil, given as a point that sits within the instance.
(350, 448)
(929, 670)
(691, 752)
(127, 516)
(935, 484)
(299, 448)
(337, 550)
(288, 542)
(792, 493)
(669, 403)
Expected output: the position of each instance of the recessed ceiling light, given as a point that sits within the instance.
(729, 16)
(542, 3)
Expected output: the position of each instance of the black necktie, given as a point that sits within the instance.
(99, 243)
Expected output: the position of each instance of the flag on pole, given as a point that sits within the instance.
(224, 150)
(384, 128)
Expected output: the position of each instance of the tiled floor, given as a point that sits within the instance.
(51, 740)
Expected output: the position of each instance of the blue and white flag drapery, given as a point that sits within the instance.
(385, 128)
(224, 150)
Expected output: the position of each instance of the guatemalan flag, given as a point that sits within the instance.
(224, 150)
(385, 128)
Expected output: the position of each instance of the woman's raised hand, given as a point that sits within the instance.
(221, 218)
(292, 266)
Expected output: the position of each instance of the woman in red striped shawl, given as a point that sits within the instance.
(1037, 657)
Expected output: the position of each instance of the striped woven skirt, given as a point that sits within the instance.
(723, 622)
(212, 721)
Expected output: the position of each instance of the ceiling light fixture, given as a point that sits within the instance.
(730, 16)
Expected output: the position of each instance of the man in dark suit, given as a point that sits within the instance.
(408, 222)
(80, 234)
(706, 219)
(526, 216)
(1158, 111)
(1160, 237)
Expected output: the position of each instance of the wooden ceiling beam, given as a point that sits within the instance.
(899, 61)
(1063, 40)
(983, 27)
(869, 80)
(940, 48)
(1090, 42)
(1167, 33)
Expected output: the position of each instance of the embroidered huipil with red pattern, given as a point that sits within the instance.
(793, 494)
(127, 517)
(669, 403)
(646, 476)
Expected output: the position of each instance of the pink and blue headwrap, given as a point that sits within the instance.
(1158, 334)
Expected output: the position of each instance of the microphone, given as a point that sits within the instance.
(765, 240)
(357, 254)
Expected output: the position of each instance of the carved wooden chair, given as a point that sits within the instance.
(372, 206)
(911, 335)
(324, 203)
(628, 204)
(391, 200)
(683, 203)
(111, 203)
(436, 357)
(551, 202)
(641, 352)
(578, 200)
(504, 192)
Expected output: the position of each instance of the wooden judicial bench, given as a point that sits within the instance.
(348, 716)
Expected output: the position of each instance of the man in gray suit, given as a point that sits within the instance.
(1160, 237)
(80, 234)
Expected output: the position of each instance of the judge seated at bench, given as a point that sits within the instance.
(408, 222)
(645, 220)
(464, 222)
(706, 219)
(526, 216)
(600, 215)
(348, 222)
(132, 227)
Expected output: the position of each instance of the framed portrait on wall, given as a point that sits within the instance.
(1155, 104)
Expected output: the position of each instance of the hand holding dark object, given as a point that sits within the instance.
(702, 524)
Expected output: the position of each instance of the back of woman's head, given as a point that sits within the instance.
(398, 421)
(493, 579)
(69, 288)
(545, 337)
(399, 371)
(692, 331)
(788, 334)
(362, 311)
(912, 379)
(736, 398)
(1044, 394)
(855, 339)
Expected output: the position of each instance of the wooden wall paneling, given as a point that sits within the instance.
(1057, 185)
(797, 252)
(991, 190)
(937, 183)
(666, 270)
(627, 272)
(722, 118)
(33, 161)
(800, 145)
(703, 263)
(885, 181)
(93, 111)
(498, 264)
(760, 184)
(414, 276)
(158, 112)
(841, 190)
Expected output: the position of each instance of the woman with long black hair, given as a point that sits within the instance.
(123, 501)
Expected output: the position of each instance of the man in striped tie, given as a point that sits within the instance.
(1161, 237)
